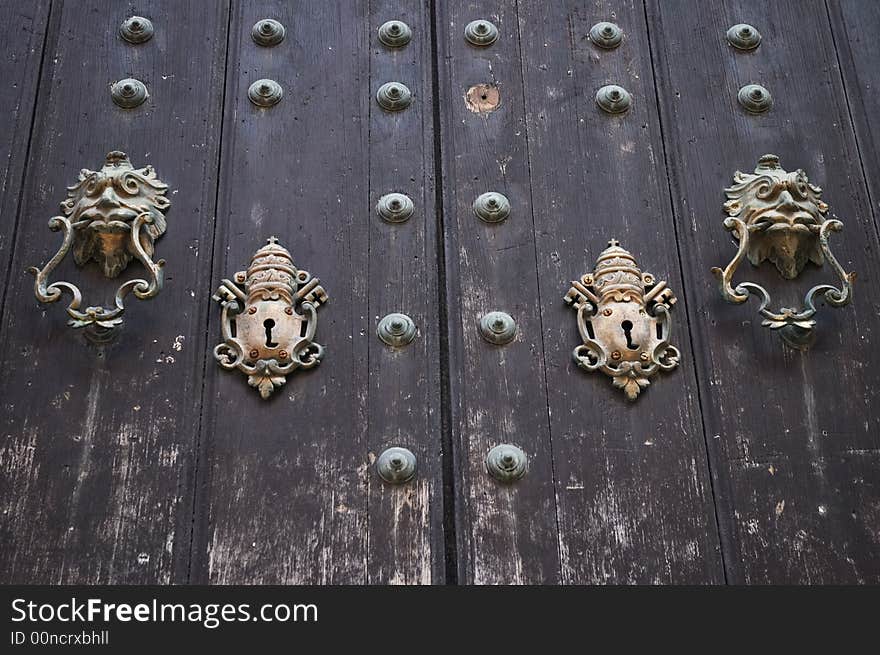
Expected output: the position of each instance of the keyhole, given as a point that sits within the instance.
(627, 331)
(269, 324)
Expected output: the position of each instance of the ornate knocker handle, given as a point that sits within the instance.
(118, 214)
(779, 216)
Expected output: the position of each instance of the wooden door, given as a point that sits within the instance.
(142, 461)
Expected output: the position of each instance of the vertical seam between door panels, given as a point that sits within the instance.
(522, 75)
(198, 469)
(17, 207)
(449, 453)
(719, 532)
(849, 111)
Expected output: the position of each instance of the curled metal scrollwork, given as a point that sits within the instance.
(623, 319)
(778, 216)
(111, 216)
(269, 319)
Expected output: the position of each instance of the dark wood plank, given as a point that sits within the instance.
(506, 534)
(794, 437)
(633, 490)
(22, 31)
(290, 494)
(98, 442)
(855, 24)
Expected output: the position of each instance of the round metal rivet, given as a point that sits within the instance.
(481, 33)
(396, 330)
(395, 207)
(492, 207)
(606, 35)
(136, 29)
(129, 93)
(507, 463)
(755, 98)
(396, 465)
(743, 37)
(394, 96)
(265, 93)
(394, 34)
(613, 99)
(498, 328)
(268, 32)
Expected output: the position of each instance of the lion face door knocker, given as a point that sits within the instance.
(110, 216)
(269, 319)
(623, 319)
(779, 216)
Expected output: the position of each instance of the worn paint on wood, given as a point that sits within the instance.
(144, 462)
(97, 449)
(634, 500)
(289, 494)
(22, 31)
(790, 434)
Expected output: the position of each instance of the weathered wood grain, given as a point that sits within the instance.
(22, 31)
(97, 442)
(289, 492)
(506, 534)
(793, 436)
(634, 497)
(854, 26)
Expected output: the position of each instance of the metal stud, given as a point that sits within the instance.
(394, 34)
(507, 463)
(265, 93)
(613, 99)
(396, 330)
(394, 96)
(743, 37)
(481, 33)
(136, 29)
(395, 207)
(268, 32)
(606, 35)
(755, 98)
(396, 465)
(492, 207)
(498, 328)
(129, 93)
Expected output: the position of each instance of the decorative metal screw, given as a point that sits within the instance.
(492, 207)
(265, 93)
(252, 310)
(268, 32)
(136, 29)
(394, 96)
(755, 98)
(288, 311)
(396, 330)
(395, 207)
(608, 311)
(613, 99)
(743, 37)
(481, 33)
(253, 354)
(606, 35)
(129, 93)
(507, 463)
(394, 34)
(396, 465)
(498, 328)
